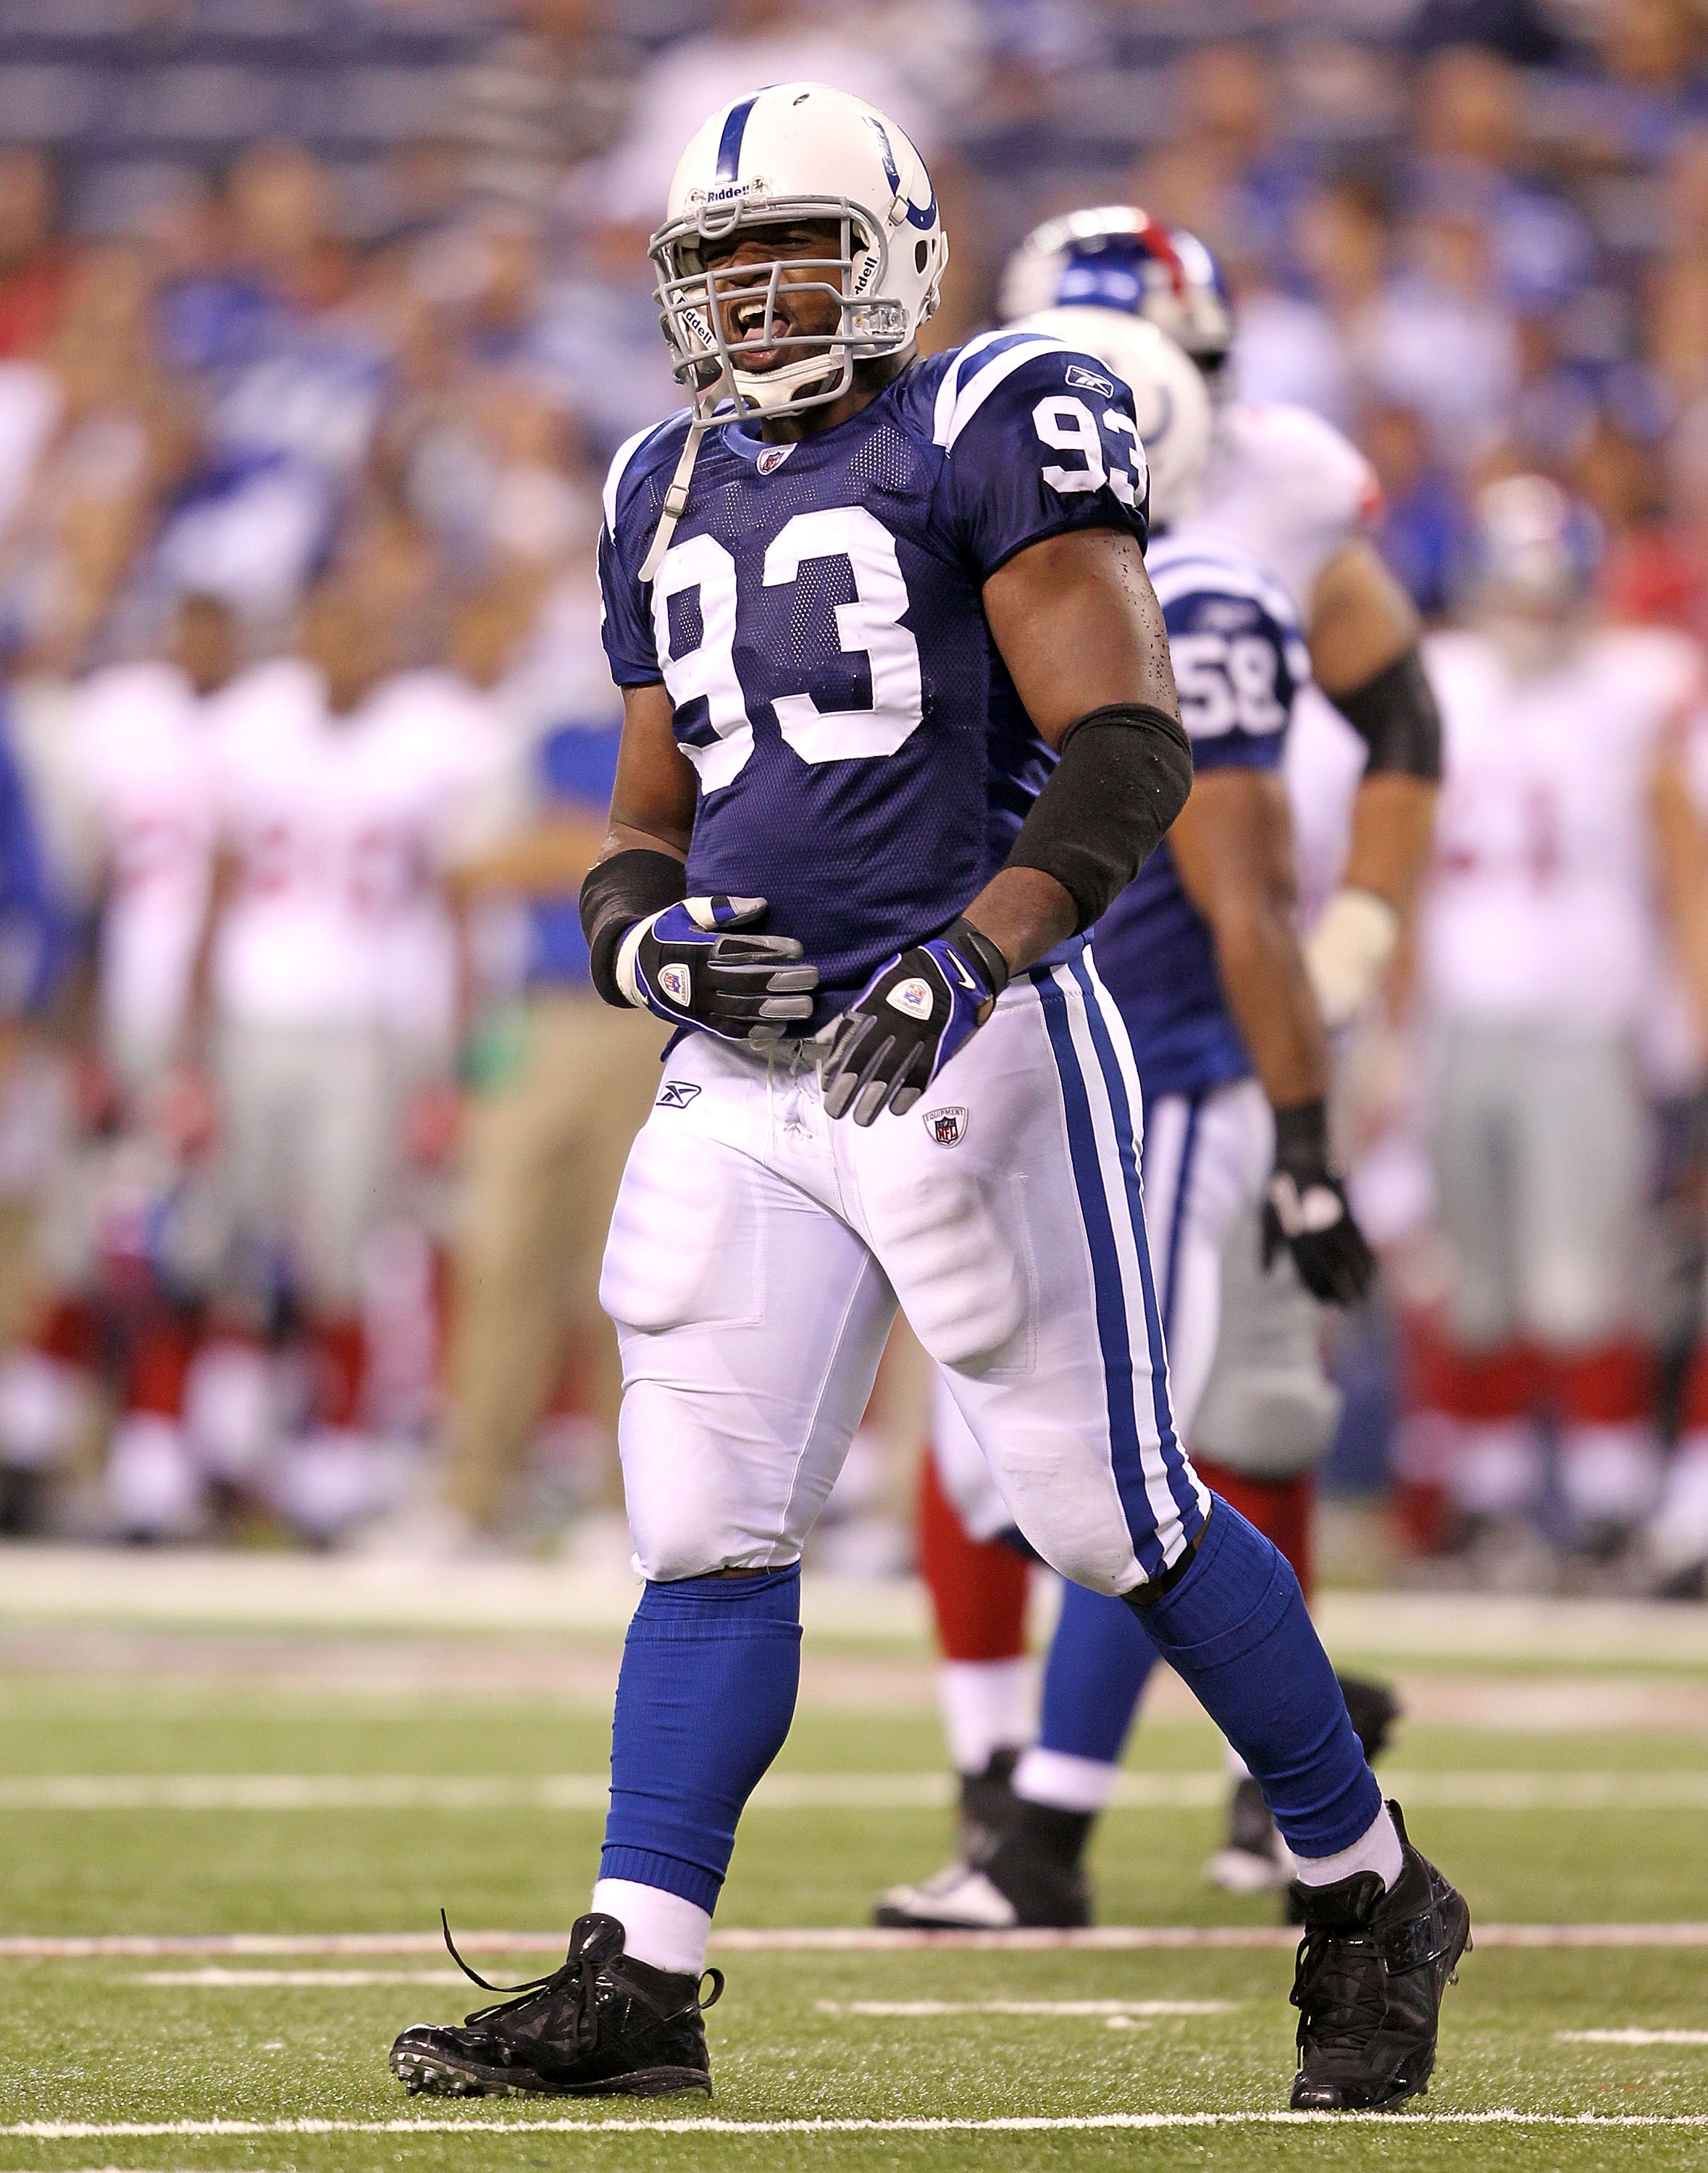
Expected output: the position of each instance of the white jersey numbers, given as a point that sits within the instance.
(871, 623)
(1227, 681)
(706, 669)
(870, 626)
(1067, 425)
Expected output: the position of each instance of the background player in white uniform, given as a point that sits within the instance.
(142, 759)
(343, 799)
(850, 641)
(136, 786)
(1285, 487)
(1562, 875)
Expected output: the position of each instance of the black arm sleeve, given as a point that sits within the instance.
(1395, 716)
(1123, 776)
(616, 894)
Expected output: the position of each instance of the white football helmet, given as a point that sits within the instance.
(797, 151)
(1170, 398)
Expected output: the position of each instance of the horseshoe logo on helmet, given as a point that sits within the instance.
(925, 218)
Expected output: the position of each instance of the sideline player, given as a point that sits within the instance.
(1284, 487)
(345, 794)
(1569, 862)
(871, 621)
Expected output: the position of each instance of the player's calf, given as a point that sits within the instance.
(1372, 1967)
(602, 2026)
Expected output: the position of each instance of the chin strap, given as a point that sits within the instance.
(676, 499)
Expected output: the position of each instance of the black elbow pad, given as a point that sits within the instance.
(1123, 776)
(1394, 714)
(616, 894)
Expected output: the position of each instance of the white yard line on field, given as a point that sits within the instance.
(1460, 1791)
(815, 1938)
(79, 2130)
(1115, 2009)
(259, 1980)
(1632, 2036)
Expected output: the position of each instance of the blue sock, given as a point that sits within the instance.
(1099, 1661)
(1236, 1629)
(710, 1669)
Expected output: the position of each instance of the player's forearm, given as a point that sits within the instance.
(1025, 913)
(1263, 970)
(1392, 828)
(547, 859)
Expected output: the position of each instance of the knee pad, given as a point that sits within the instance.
(682, 1515)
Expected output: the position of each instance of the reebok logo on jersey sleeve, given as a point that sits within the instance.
(1088, 382)
(913, 997)
(676, 982)
(678, 1094)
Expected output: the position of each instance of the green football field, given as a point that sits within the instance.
(262, 1834)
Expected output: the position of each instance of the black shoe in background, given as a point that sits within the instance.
(602, 2026)
(1371, 1969)
(987, 1808)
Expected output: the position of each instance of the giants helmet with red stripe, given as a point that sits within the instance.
(1118, 257)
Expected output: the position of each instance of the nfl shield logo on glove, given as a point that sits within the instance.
(947, 1127)
(676, 982)
(913, 997)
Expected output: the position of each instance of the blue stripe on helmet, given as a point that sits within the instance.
(729, 143)
(916, 216)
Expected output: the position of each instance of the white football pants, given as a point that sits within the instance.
(1204, 1160)
(759, 1249)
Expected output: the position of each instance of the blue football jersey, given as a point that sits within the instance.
(1239, 660)
(863, 758)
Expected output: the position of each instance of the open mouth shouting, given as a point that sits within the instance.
(757, 329)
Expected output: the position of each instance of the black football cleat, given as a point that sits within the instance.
(1030, 1880)
(603, 2025)
(987, 1806)
(1372, 1967)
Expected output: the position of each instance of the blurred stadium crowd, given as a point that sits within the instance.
(318, 322)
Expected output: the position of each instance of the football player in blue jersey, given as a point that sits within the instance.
(1279, 485)
(900, 725)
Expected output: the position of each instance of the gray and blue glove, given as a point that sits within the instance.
(688, 965)
(908, 1021)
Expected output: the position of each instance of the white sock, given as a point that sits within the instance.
(657, 1928)
(987, 1704)
(1376, 1850)
(1065, 1783)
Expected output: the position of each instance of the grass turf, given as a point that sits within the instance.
(100, 2044)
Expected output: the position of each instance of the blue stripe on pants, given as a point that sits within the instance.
(1109, 1295)
(1182, 1484)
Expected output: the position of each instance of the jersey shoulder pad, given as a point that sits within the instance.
(1292, 451)
(1653, 662)
(1240, 659)
(1189, 578)
(649, 454)
(991, 374)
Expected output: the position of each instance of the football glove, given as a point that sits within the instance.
(1305, 1208)
(686, 966)
(909, 1019)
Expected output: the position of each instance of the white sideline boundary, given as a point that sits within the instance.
(1493, 1790)
(807, 1939)
(79, 2130)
